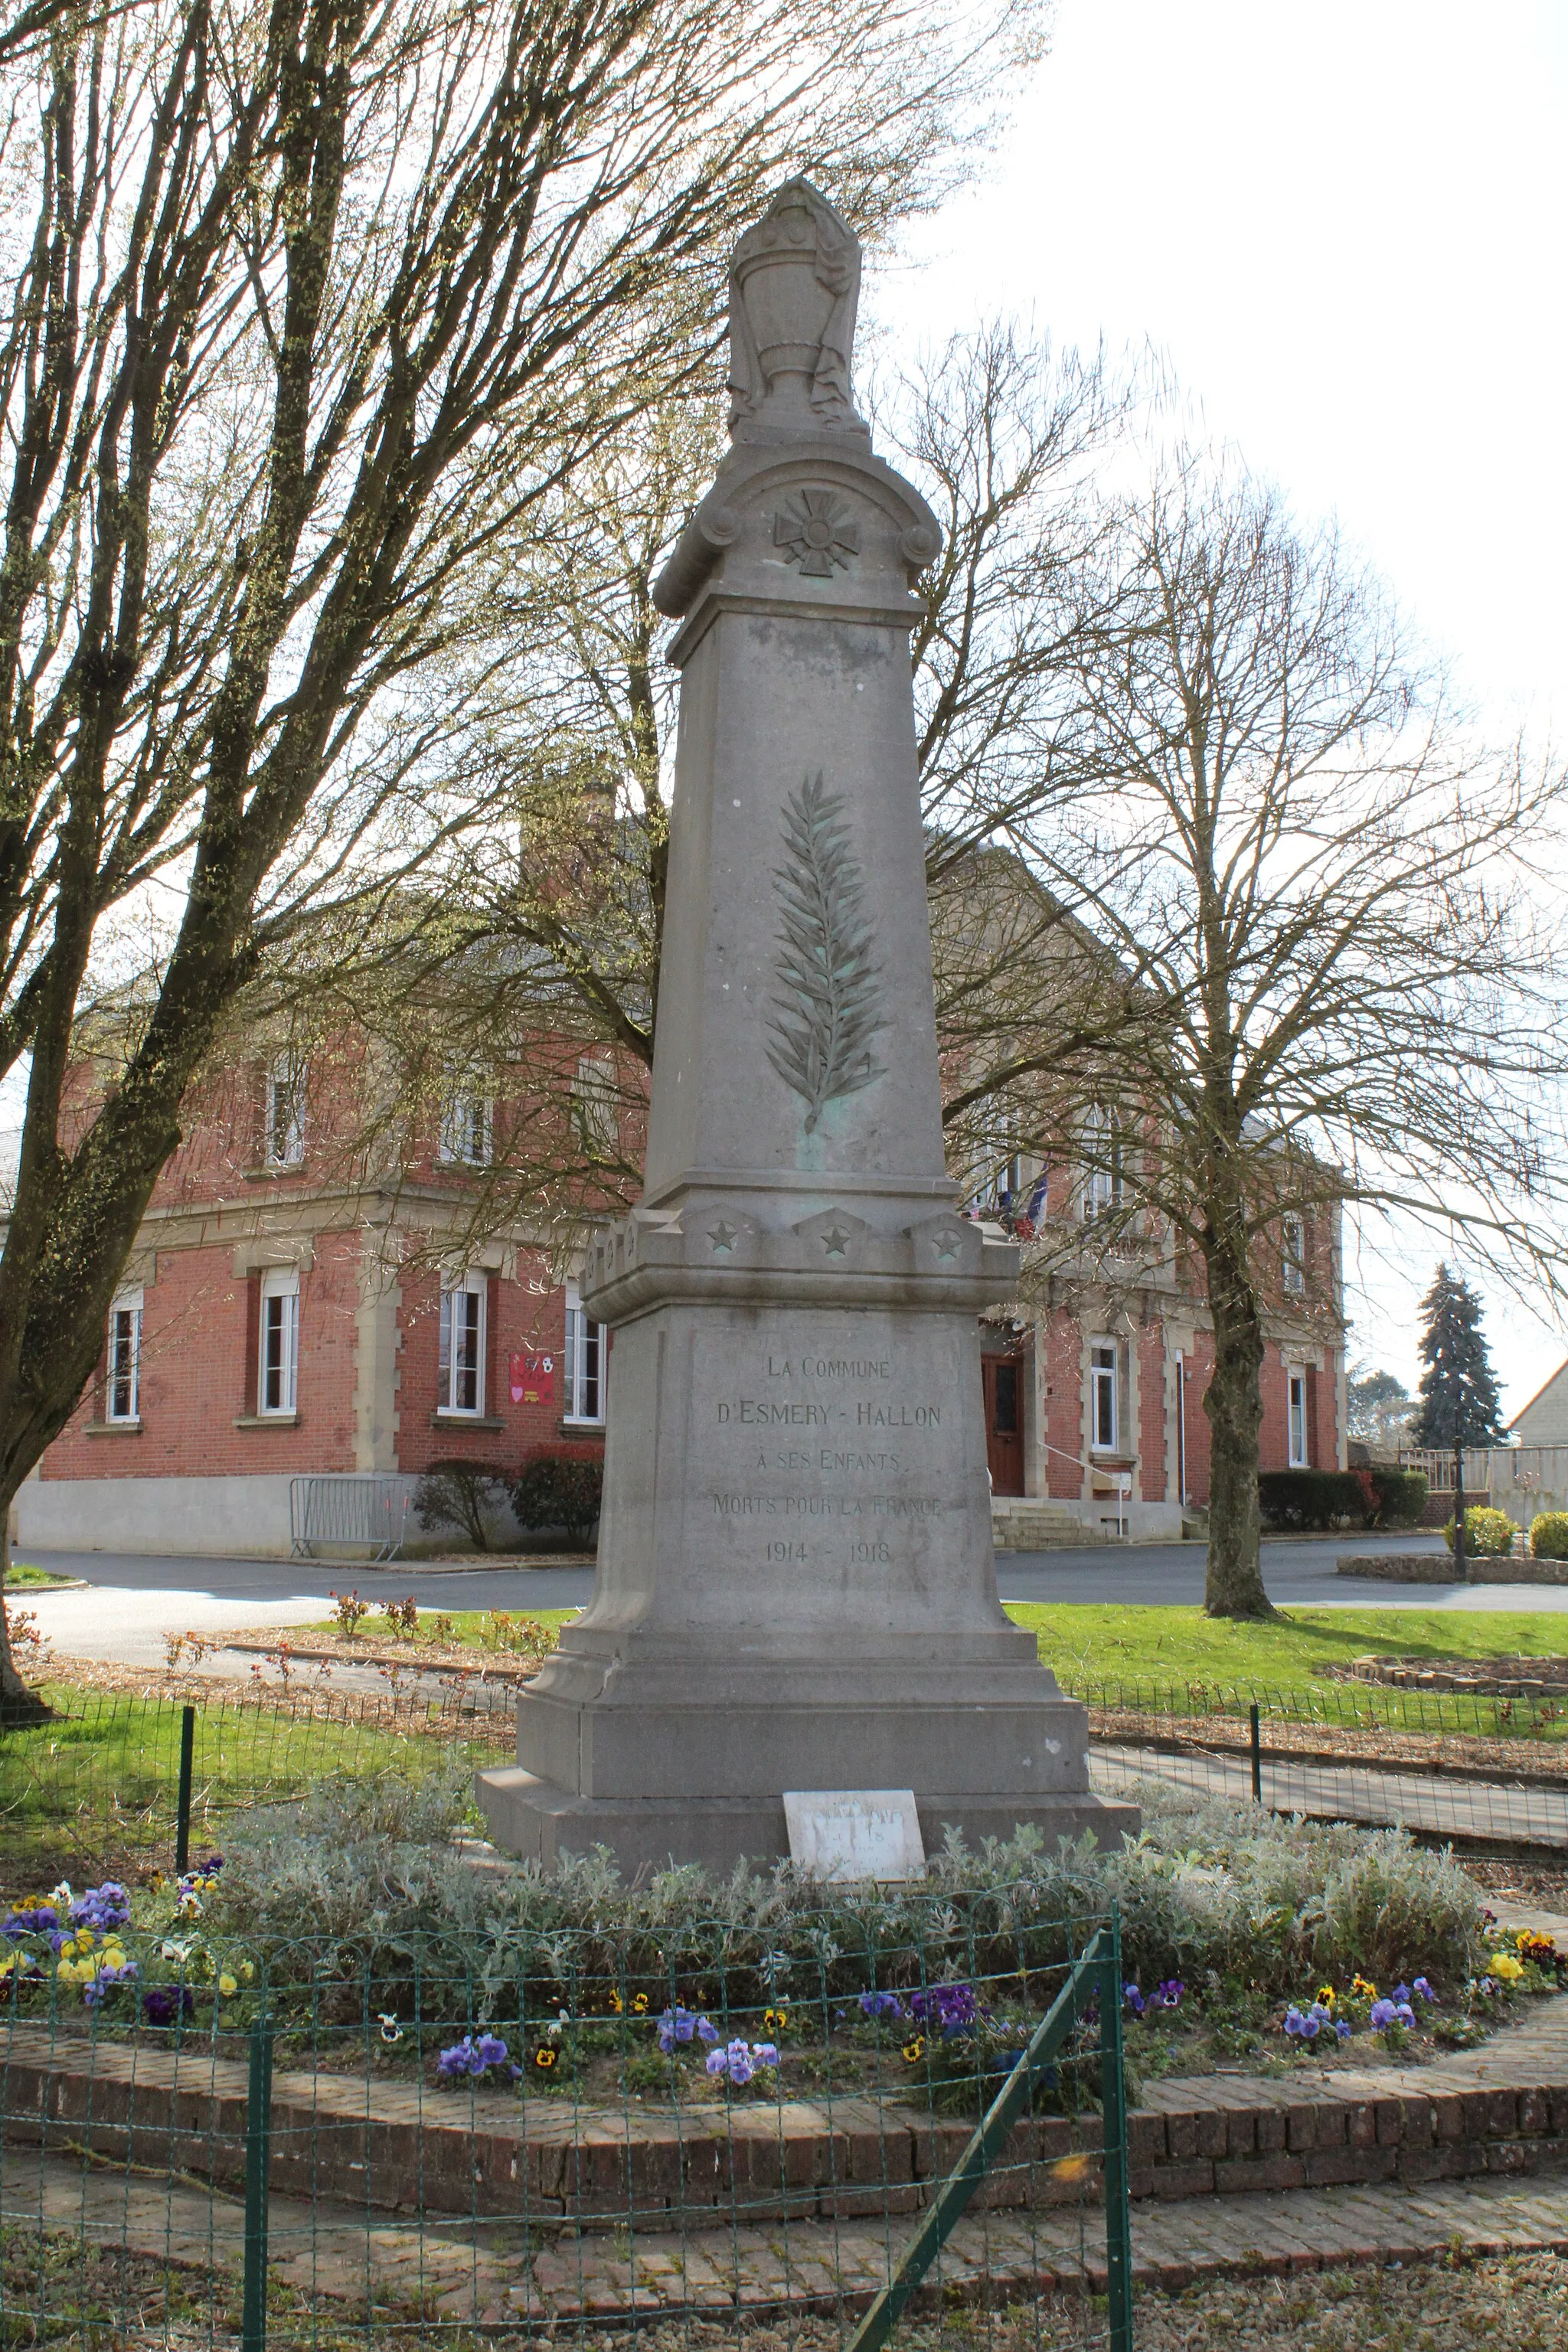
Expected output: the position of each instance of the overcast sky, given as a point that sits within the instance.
(1346, 228)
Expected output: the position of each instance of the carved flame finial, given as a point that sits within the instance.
(794, 283)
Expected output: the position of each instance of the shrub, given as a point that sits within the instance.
(1489, 1535)
(1400, 1495)
(460, 1495)
(558, 1489)
(1292, 1500)
(1204, 1887)
(1548, 1535)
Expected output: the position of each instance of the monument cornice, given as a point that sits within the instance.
(821, 1183)
(718, 525)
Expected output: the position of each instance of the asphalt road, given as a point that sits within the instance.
(134, 1602)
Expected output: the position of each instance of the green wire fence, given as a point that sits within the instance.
(206, 2137)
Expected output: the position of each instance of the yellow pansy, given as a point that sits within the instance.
(1505, 1965)
(247, 1970)
(227, 1984)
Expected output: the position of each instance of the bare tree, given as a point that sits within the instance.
(1301, 961)
(308, 306)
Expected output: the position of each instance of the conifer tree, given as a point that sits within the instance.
(1459, 1392)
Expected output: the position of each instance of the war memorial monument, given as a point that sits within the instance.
(796, 1587)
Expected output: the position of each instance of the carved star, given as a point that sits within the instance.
(721, 1236)
(946, 1247)
(815, 530)
(836, 1241)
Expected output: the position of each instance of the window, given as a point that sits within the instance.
(276, 1385)
(467, 1126)
(1103, 1385)
(284, 1139)
(461, 1387)
(595, 1109)
(1102, 1166)
(1298, 1420)
(584, 1362)
(1295, 1256)
(122, 1389)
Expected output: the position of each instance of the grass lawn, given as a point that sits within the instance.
(1099, 1645)
(95, 1788)
(21, 1574)
(1095, 1643)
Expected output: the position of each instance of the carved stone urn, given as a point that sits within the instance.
(794, 284)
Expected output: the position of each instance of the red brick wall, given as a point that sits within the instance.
(1198, 1366)
(524, 1315)
(1149, 1342)
(198, 1376)
(1063, 1406)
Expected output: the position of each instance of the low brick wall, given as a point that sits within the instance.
(404, 2149)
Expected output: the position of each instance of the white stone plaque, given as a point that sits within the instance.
(847, 1833)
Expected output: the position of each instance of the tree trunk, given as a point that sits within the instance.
(18, 1705)
(1233, 1403)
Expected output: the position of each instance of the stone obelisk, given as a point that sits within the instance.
(797, 1588)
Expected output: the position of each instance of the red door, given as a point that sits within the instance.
(1003, 1382)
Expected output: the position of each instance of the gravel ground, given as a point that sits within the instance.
(1545, 1882)
(1516, 2304)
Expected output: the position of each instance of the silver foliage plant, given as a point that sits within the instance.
(365, 1880)
(828, 1005)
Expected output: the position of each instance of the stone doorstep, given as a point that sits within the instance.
(1499, 2111)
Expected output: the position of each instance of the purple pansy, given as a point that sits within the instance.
(161, 2004)
(950, 2009)
(471, 2059)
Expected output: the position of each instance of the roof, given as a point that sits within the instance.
(1550, 1382)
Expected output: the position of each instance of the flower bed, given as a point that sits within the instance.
(379, 1949)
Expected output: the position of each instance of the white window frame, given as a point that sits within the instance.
(596, 1106)
(467, 1126)
(586, 1363)
(1104, 1379)
(128, 1302)
(284, 1143)
(1101, 1185)
(449, 1371)
(1297, 1450)
(280, 1290)
(1295, 1256)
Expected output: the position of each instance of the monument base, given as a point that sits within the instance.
(543, 1823)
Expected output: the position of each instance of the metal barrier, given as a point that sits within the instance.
(1477, 1770)
(1097, 1975)
(560, 2132)
(348, 1510)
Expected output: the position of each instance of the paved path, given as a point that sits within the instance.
(331, 2251)
(1469, 1808)
(132, 1603)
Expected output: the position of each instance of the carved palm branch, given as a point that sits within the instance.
(827, 1003)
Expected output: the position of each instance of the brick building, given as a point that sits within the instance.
(296, 1308)
(1094, 1383)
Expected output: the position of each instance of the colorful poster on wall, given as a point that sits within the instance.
(532, 1379)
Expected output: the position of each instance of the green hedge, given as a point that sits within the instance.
(1548, 1535)
(1401, 1496)
(1293, 1501)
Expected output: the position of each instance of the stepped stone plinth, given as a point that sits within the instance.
(796, 1584)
